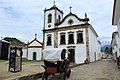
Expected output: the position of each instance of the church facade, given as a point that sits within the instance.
(70, 32)
(34, 50)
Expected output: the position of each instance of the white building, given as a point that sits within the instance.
(70, 32)
(24, 50)
(103, 55)
(114, 44)
(34, 50)
(116, 22)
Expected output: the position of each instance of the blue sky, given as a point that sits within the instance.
(24, 18)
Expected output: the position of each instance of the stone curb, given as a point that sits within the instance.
(76, 65)
(27, 77)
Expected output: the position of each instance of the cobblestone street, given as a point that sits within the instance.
(105, 69)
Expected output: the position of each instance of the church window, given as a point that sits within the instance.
(59, 18)
(79, 37)
(49, 39)
(49, 18)
(71, 38)
(70, 22)
(62, 38)
(49, 26)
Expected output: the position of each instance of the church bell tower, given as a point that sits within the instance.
(51, 16)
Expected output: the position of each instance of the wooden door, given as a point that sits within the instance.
(34, 55)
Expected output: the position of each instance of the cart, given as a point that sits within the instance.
(56, 64)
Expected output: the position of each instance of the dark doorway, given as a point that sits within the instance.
(72, 55)
(34, 55)
(4, 50)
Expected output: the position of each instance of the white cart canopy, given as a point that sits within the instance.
(52, 54)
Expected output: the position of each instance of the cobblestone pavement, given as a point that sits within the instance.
(105, 69)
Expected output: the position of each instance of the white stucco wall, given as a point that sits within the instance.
(75, 21)
(80, 49)
(38, 52)
(118, 38)
(116, 21)
(115, 46)
(99, 51)
(116, 12)
(24, 53)
(93, 46)
(80, 53)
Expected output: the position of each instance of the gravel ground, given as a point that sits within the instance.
(27, 69)
(105, 69)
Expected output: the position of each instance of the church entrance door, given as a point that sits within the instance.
(72, 55)
(34, 55)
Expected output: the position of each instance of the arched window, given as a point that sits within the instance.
(49, 39)
(62, 38)
(79, 38)
(71, 38)
(49, 18)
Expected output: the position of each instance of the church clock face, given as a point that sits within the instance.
(70, 21)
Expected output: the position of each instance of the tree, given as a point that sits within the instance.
(108, 50)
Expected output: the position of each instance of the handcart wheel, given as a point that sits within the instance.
(64, 76)
(68, 74)
(44, 76)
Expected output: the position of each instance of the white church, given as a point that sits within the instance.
(71, 32)
(34, 49)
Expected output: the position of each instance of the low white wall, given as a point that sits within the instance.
(38, 52)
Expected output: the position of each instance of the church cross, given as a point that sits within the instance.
(70, 8)
(53, 3)
(35, 36)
